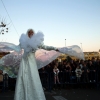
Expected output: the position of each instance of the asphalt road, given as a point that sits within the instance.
(70, 94)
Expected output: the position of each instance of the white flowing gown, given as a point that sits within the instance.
(28, 86)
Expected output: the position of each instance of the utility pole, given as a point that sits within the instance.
(81, 46)
(65, 42)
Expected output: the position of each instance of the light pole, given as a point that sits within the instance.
(81, 46)
(65, 42)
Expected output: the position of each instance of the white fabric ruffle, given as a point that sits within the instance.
(30, 44)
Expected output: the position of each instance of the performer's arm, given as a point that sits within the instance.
(48, 47)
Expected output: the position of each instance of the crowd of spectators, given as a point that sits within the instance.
(65, 72)
(86, 71)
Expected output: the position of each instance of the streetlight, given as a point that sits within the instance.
(81, 46)
(65, 42)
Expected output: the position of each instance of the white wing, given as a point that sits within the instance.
(10, 63)
(73, 50)
(6, 47)
(44, 57)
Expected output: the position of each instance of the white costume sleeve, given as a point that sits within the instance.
(47, 47)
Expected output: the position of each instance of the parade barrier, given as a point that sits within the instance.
(98, 79)
(69, 78)
(48, 80)
(1, 82)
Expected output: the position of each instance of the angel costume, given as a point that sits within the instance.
(26, 59)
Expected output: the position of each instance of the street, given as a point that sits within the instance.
(70, 94)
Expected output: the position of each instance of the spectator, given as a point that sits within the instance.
(61, 67)
(1, 76)
(67, 70)
(73, 68)
(92, 73)
(81, 64)
(78, 73)
(85, 71)
(98, 70)
(61, 72)
(49, 68)
(56, 72)
(42, 70)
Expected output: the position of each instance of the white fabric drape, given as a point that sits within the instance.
(28, 86)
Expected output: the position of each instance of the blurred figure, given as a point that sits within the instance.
(1, 76)
(85, 71)
(56, 72)
(67, 70)
(98, 70)
(92, 73)
(81, 64)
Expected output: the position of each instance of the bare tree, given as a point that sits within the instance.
(3, 26)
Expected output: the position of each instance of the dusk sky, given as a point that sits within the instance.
(77, 21)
